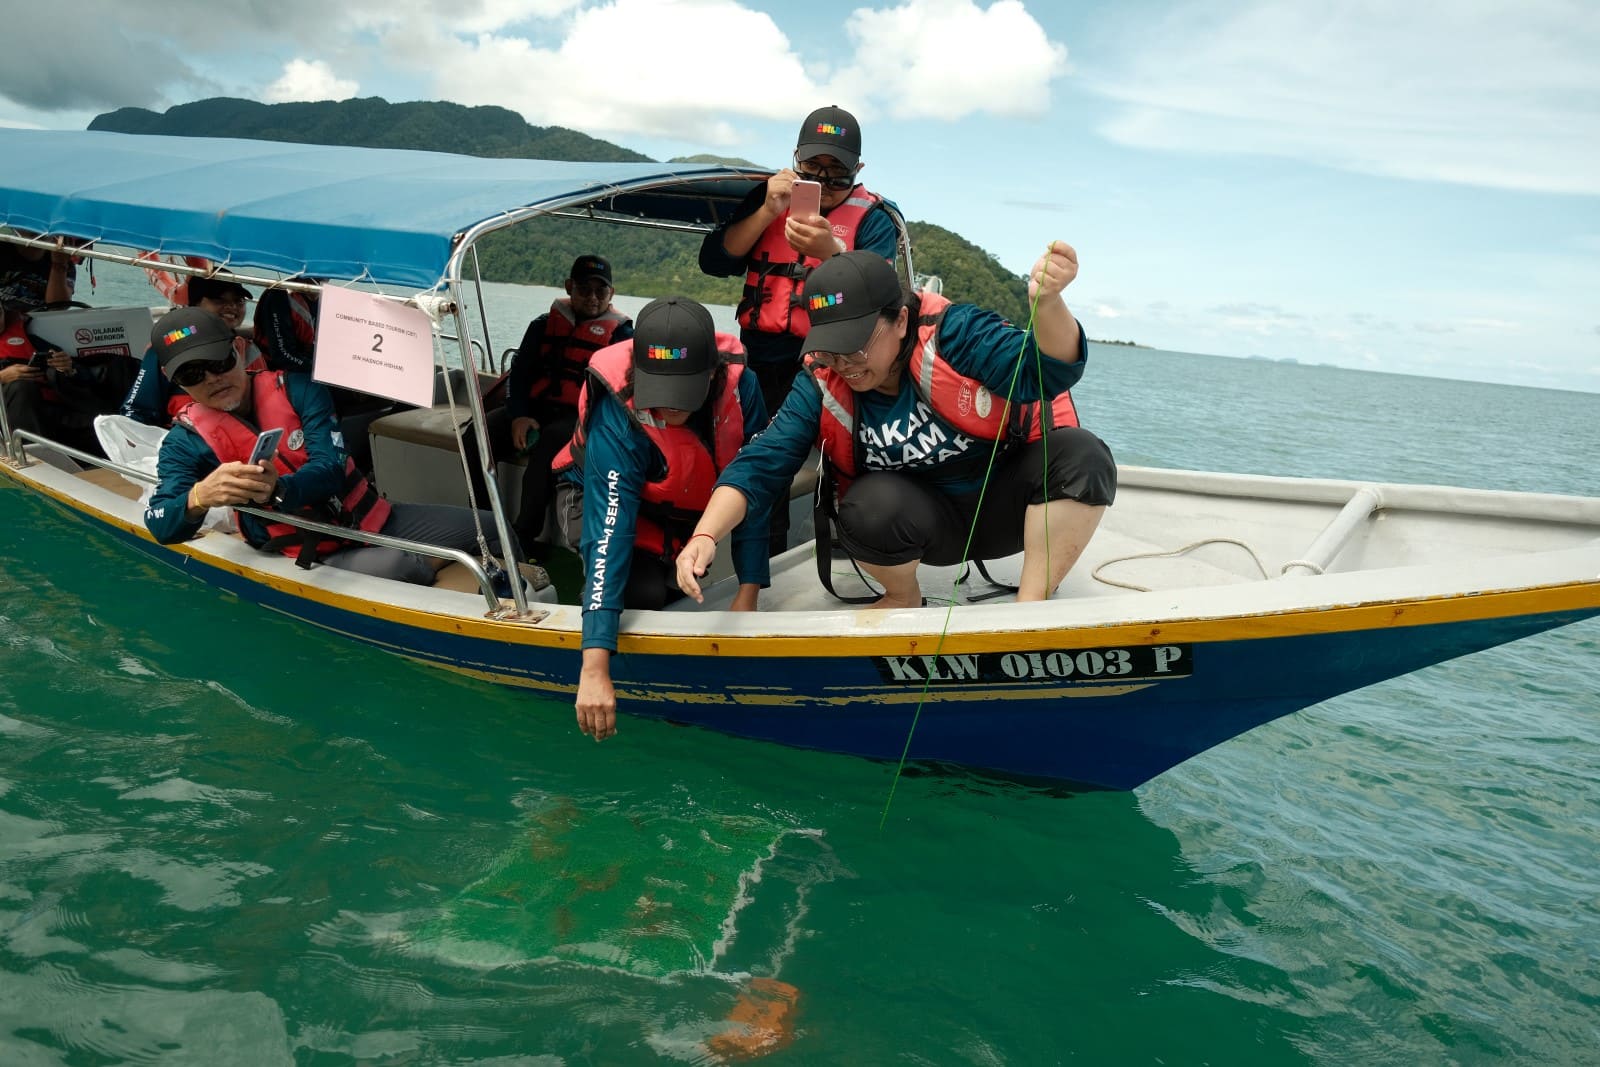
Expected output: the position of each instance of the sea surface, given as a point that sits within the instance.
(228, 839)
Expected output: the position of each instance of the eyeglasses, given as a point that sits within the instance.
(823, 178)
(193, 373)
(849, 359)
(226, 301)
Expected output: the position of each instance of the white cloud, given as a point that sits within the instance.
(946, 59)
(1479, 92)
(631, 66)
(309, 80)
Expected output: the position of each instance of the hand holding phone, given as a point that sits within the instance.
(805, 199)
(266, 445)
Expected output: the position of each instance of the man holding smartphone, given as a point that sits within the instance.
(206, 462)
(775, 247)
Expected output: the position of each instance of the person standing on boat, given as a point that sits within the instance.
(547, 374)
(153, 399)
(906, 394)
(774, 250)
(659, 416)
(202, 463)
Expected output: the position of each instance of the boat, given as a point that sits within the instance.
(1206, 605)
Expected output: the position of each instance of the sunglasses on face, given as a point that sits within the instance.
(192, 374)
(823, 178)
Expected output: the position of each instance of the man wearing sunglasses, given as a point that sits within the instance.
(774, 250)
(547, 374)
(204, 462)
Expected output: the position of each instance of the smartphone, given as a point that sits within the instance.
(39, 360)
(266, 445)
(805, 198)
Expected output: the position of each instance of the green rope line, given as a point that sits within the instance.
(972, 533)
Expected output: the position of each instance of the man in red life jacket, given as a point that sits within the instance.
(547, 374)
(203, 463)
(774, 251)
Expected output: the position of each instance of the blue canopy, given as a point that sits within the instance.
(385, 215)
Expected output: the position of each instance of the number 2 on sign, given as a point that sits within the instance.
(377, 342)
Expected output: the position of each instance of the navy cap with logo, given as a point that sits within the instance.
(830, 131)
(674, 353)
(590, 267)
(843, 297)
(219, 285)
(184, 335)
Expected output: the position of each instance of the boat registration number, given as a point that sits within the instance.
(1068, 664)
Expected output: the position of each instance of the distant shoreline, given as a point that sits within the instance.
(1124, 344)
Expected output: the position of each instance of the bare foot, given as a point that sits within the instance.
(887, 601)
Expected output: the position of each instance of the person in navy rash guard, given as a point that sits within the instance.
(906, 395)
(660, 415)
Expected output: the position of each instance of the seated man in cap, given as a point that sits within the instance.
(906, 397)
(153, 399)
(204, 463)
(774, 250)
(659, 416)
(547, 373)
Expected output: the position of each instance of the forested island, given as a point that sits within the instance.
(645, 261)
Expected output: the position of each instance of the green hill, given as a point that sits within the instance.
(645, 261)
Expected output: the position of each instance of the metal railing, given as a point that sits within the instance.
(485, 584)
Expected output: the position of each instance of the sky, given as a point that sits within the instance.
(1402, 187)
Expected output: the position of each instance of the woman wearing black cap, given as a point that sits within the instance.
(907, 395)
(659, 416)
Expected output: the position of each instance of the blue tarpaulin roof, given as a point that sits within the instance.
(386, 215)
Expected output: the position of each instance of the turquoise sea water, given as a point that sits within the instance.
(225, 839)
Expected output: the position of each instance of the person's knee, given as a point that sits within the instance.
(1081, 468)
(882, 522)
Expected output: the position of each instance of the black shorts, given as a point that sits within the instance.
(888, 517)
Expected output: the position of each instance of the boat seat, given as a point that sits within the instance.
(112, 481)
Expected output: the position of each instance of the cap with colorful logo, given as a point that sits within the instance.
(830, 131)
(184, 335)
(843, 297)
(674, 353)
(585, 267)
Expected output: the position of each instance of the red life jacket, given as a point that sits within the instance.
(565, 349)
(772, 287)
(15, 345)
(671, 506)
(232, 438)
(965, 403)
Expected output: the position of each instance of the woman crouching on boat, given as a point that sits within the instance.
(907, 393)
(659, 417)
(206, 462)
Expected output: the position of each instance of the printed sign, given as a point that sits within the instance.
(373, 345)
(88, 333)
(1138, 663)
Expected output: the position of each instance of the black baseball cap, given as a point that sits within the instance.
(590, 267)
(830, 131)
(674, 353)
(186, 335)
(843, 297)
(218, 285)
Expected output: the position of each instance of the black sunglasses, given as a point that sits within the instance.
(827, 181)
(193, 373)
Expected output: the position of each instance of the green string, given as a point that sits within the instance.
(972, 532)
